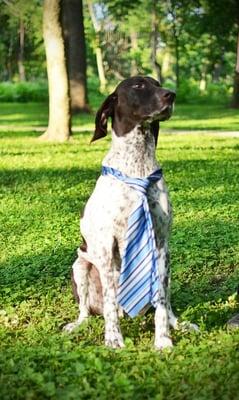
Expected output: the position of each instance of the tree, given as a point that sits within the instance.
(127, 38)
(22, 51)
(221, 18)
(97, 47)
(235, 98)
(59, 125)
(18, 10)
(74, 38)
(155, 38)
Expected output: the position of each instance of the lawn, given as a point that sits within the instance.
(186, 117)
(43, 189)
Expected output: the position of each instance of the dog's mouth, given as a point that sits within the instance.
(161, 115)
(165, 113)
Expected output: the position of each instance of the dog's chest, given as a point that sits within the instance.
(116, 200)
(112, 202)
(108, 209)
(159, 206)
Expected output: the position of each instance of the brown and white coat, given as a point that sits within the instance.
(136, 107)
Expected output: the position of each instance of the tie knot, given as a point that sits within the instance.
(139, 184)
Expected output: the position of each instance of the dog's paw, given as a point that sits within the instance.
(73, 325)
(187, 326)
(164, 342)
(114, 340)
(233, 323)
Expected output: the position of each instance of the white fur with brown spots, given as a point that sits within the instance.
(104, 224)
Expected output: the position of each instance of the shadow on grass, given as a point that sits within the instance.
(203, 240)
(186, 173)
(12, 178)
(195, 280)
(10, 134)
(48, 274)
(39, 270)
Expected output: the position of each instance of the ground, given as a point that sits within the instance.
(43, 189)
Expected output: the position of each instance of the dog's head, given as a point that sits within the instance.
(136, 101)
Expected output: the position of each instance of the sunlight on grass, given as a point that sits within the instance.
(223, 123)
(44, 187)
(186, 117)
(15, 117)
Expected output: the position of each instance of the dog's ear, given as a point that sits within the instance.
(154, 127)
(105, 111)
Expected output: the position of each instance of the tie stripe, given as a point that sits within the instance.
(138, 262)
(138, 285)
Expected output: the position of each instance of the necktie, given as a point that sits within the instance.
(139, 279)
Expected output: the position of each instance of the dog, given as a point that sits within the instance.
(136, 107)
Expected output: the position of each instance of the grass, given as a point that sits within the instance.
(43, 189)
(186, 117)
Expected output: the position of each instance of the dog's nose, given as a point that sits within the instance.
(169, 96)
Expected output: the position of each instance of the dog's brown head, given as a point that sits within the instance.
(135, 101)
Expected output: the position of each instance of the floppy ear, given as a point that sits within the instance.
(154, 127)
(105, 111)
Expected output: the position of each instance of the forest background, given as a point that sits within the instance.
(190, 46)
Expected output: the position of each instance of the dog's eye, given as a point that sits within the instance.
(138, 86)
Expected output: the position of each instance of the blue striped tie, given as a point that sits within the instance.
(139, 278)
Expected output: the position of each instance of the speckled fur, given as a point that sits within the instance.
(104, 225)
(134, 107)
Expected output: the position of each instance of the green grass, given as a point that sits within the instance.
(186, 117)
(43, 190)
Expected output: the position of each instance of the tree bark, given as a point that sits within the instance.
(59, 125)
(98, 51)
(155, 35)
(21, 68)
(74, 37)
(9, 60)
(235, 99)
(134, 47)
(177, 55)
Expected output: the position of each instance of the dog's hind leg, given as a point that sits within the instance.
(80, 278)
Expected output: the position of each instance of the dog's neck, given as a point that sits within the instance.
(133, 153)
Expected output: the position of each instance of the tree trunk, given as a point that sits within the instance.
(134, 47)
(59, 125)
(155, 35)
(9, 60)
(98, 51)
(74, 36)
(203, 80)
(177, 71)
(21, 68)
(176, 28)
(235, 99)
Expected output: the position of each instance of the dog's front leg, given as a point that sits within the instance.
(162, 314)
(164, 270)
(80, 273)
(113, 336)
(173, 320)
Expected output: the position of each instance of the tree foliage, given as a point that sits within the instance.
(191, 43)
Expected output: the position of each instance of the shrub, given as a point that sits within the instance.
(23, 92)
(188, 92)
